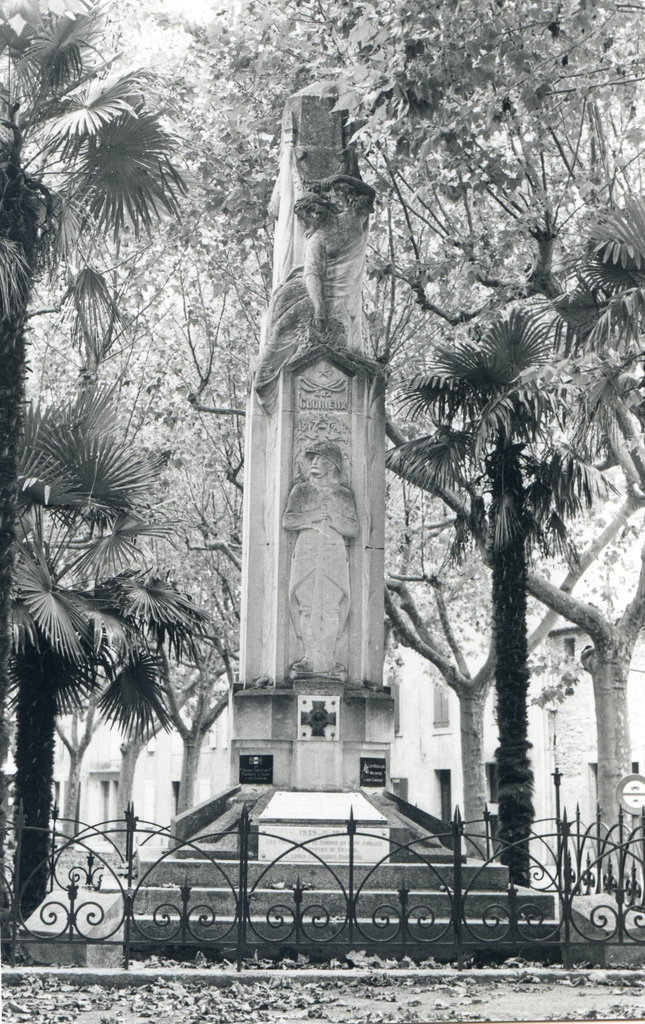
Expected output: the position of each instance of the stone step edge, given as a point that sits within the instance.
(224, 977)
(413, 893)
(259, 917)
(267, 863)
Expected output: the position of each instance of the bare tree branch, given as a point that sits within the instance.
(216, 545)
(447, 628)
(584, 615)
(633, 618)
(589, 555)
(215, 410)
(412, 640)
(211, 717)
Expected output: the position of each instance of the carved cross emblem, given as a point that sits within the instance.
(318, 718)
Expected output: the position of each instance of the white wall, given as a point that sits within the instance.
(562, 734)
(158, 767)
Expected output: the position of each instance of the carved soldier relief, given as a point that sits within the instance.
(323, 513)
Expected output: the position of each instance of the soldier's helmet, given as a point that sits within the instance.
(329, 451)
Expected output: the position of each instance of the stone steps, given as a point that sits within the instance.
(368, 901)
(419, 876)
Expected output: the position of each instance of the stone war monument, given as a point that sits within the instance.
(311, 720)
(311, 703)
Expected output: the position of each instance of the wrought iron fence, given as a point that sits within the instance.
(133, 885)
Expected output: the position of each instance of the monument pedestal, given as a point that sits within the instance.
(268, 725)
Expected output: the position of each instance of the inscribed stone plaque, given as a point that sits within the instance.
(323, 844)
(256, 769)
(320, 820)
(372, 771)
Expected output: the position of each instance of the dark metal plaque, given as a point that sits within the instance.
(372, 771)
(256, 768)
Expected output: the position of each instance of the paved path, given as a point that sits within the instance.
(349, 997)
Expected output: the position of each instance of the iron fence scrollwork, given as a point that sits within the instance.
(136, 886)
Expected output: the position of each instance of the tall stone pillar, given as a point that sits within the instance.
(311, 703)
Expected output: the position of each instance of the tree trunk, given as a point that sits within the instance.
(471, 722)
(514, 774)
(130, 751)
(19, 214)
(609, 674)
(36, 722)
(12, 361)
(71, 793)
(189, 766)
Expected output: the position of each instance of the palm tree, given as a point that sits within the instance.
(493, 424)
(599, 324)
(81, 160)
(88, 611)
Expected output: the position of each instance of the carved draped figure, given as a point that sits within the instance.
(325, 292)
(319, 593)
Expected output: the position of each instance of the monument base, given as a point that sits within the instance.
(304, 828)
(357, 730)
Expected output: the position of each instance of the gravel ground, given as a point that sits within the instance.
(370, 998)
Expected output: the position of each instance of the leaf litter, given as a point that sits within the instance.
(368, 994)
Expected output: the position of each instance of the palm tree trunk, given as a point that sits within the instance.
(509, 570)
(36, 720)
(19, 218)
(12, 361)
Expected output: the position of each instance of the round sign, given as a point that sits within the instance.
(630, 793)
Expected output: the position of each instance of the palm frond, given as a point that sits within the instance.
(516, 343)
(92, 106)
(59, 615)
(621, 322)
(577, 315)
(68, 219)
(563, 483)
(128, 174)
(619, 236)
(466, 377)
(23, 628)
(507, 528)
(110, 631)
(60, 47)
(522, 412)
(108, 475)
(434, 463)
(95, 311)
(110, 553)
(155, 605)
(444, 397)
(15, 275)
(90, 409)
(41, 480)
(133, 698)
